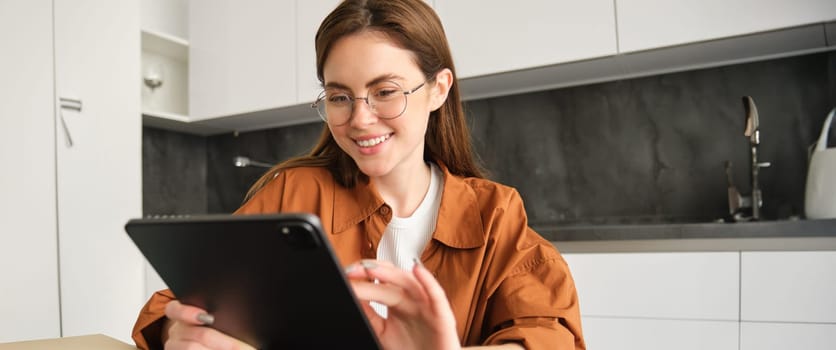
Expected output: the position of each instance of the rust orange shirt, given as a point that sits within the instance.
(505, 282)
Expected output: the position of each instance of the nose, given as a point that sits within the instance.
(361, 113)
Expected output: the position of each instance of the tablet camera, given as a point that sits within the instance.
(298, 236)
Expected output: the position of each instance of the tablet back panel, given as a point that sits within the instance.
(270, 280)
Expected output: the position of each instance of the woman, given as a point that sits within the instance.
(394, 181)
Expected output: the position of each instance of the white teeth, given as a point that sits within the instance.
(372, 142)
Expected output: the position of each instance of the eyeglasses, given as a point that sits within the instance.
(386, 100)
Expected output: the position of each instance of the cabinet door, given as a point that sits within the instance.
(698, 286)
(496, 36)
(310, 14)
(28, 251)
(97, 52)
(602, 333)
(166, 16)
(788, 286)
(648, 24)
(241, 57)
(781, 336)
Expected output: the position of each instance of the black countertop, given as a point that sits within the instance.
(616, 232)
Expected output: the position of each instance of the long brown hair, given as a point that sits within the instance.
(414, 26)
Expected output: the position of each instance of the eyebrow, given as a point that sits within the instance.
(377, 80)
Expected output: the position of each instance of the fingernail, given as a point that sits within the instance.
(368, 264)
(350, 268)
(205, 319)
(417, 262)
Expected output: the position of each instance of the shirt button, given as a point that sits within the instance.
(384, 210)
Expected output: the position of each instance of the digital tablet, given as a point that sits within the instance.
(272, 281)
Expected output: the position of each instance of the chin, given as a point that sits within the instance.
(373, 170)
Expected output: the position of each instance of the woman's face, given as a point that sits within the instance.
(357, 66)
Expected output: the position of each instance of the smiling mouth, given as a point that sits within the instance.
(372, 142)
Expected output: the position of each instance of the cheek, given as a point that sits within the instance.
(338, 133)
(421, 107)
(418, 124)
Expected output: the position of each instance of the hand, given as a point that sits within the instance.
(419, 314)
(186, 329)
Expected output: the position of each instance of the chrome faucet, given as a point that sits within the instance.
(755, 199)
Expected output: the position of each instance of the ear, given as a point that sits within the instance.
(441, 87)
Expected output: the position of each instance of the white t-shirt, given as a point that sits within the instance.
(406, 238)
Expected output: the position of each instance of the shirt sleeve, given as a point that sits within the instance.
(535, 302)
(267, 199)
(538, 308)
(148, 327)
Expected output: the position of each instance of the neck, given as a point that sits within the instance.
(404, 188)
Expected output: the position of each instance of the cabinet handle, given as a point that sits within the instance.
(73, 105)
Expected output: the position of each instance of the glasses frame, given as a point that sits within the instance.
(321, 98)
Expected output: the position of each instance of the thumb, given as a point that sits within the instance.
(375, 320)
(188, 314)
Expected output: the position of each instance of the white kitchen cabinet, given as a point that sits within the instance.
(99, 176)
(493, 36)
(28, 241)
(696, 286)
(251, 63)
(165, 59)
(241, 57)
(650, 24)
(309, 15)
(788, 286)
(602, 333)
(165, 16)
(254, 56)
(782, 336)
(73, 270)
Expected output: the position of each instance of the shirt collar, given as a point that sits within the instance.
(353, 205)
(459, 223)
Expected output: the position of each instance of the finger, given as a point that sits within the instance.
(208, 337)
(365, 262)
(356, 272)
(387, 273)
(374, 318)
(177, 311)
(389, 295)
(361, 267)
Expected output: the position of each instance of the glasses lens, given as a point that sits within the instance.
(334, 106)
(388, 100)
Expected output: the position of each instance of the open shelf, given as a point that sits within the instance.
(166, 115)
(166, 106)
(165, 44)
(178, 122)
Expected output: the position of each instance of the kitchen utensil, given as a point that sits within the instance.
(820, 196)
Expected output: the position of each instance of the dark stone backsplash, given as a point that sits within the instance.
(173, 173)
(643, 150)
(228, 184)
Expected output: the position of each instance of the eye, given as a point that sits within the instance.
(338, 98)
(386, 93)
